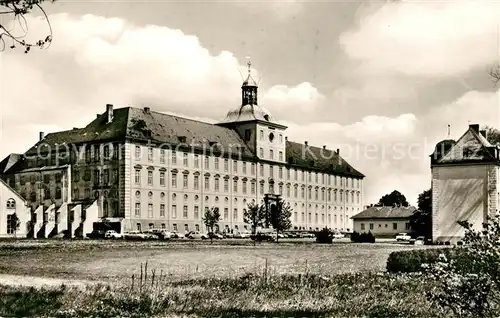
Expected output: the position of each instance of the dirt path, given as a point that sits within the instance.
(33, 281)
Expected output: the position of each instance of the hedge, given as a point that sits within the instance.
(412, 260)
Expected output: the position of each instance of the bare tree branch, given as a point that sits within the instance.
(18, 9)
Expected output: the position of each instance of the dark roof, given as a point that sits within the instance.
(144, 125)
(385, 212)
(305, 156)
(8, 162)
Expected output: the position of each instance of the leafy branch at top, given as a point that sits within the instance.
(17, 9)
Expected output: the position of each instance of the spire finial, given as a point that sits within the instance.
(449, 127)
(249, 64)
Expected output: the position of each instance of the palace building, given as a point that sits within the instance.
(138, 169)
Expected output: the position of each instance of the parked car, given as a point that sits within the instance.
(216, 236)
(264, 235)
(420, 240)
(195, 235)
(136, 235)
(338, 235)
(112, 234)
(96, 234)
(403, 237)
(176, 235)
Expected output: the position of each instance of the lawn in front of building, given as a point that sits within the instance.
(117, 261)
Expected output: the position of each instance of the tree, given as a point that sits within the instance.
(17, 9)
(421, 221)
(255, 216)
(280, 217)
(211, 219)
(493, 135)
(14, 223)
(392, 199)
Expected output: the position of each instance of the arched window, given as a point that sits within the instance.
(46, 193)
(11, 204)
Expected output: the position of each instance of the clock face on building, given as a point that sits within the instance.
(271, 137)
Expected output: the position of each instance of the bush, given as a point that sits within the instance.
(324, 236)
(411, 261)
(363, 237)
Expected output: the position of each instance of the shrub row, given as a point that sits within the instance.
(412, 260)
(362, 237)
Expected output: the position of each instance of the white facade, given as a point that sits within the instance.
(11, 203)
(172, 190)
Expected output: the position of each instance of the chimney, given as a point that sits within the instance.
(484, 132)
(305, 142)
(286, 138)
(324, 147)
(474, 127)
(109, 112)
(338, 151)
(147, 110)
(96, 115)
(41, 135)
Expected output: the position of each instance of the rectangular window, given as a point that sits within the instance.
(150, 177)
(137, 153)
(271, 171)
(226, 213)
(261, 152)
(207, 163)
(295, 192)
(207, 183)
(185, 212)
(294, 174)
(235, 186)
(371, 226)
(162, 156)
(235, 214)
(105, 176)
(235, 167)
(280, 156)
(362, 226)
(150, 210)
(226, 185)
(407, 226)
(162, 210)
(271, 154)
(185, 159)
(196, 161)
(196, 212)
(280, 189)
(137, 209)
(261, 168)
(216, 163)
(185, 181)
(150, 154)
(288, 174)
(280, 172)
(288, 190)
(196, 182)
(174, 158)
(217, 184)
(174, 211)
(244, 187)
(226, 165)
(394, 226)
(253, 169)
(252, 188)
(162, 178)
(97, 176)
(244, 168)
(174, 180)
(137, 176)
(261, 188)
(261, 134)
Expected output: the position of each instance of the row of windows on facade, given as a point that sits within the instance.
(175, 227)
(226, 229)
(226, 201)
(322, 178)
(47, 194)
(350, 196)
(34, 178)
(394, 226)
(225, 214)
(105, 177)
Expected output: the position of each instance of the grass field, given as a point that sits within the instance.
(114, 261)
(226, 279)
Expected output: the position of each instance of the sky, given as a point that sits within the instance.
(381, 81)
